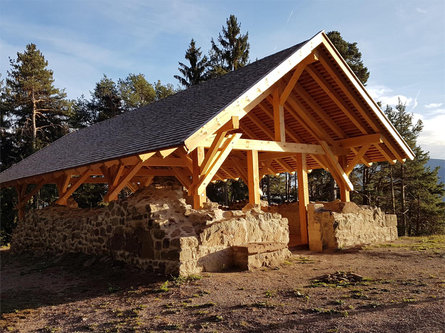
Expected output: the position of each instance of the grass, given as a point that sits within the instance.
(418, 243)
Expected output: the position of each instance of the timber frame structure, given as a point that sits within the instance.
(299, 109)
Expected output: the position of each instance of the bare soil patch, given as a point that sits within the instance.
(395, 287)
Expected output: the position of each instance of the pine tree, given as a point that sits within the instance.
(106, 101)
(232, 52)
(33, 114)
(352, 55)
(135, 91)
(197, 71)
(38, 108)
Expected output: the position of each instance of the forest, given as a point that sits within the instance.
(35, 113)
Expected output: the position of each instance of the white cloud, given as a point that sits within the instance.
(432, 138)
(386, 95)
(433, 105)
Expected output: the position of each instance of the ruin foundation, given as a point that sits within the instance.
(155, 229)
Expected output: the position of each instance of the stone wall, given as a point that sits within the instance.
(289, 211)
(337, 225)
(154, 229)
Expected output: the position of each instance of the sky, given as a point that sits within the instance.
(402, 42)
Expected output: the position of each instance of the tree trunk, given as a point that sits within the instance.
(365, 198)
(393, 195)
(34, 122)
(402, 201)
(332, 194)
(268, 190)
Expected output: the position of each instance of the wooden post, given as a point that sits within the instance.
(253, 177)
(303, 196)
(344, 192)
(198, 158)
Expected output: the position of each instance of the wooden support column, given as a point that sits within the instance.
(303, 196)
(278, 117)
(198, 159)
(344, 192)
(253, 177)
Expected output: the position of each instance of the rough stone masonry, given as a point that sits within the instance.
(155, 229)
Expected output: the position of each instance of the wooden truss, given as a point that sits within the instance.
(308, 113)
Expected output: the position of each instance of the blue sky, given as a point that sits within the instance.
(402, 42)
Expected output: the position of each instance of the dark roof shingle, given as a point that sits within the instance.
(163, 124)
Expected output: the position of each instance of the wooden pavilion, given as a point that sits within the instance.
(299, 109)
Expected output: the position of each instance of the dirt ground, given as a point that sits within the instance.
(396, 287)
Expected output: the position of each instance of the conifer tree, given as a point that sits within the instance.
(38, 108)
(232, 50)
(352, 55)
(197, 71)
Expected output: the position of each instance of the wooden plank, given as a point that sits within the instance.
(335, 97)
(253, 177)
(303, 196)
(63, 197)
(278, 117)
(385, 154)
(261, 125)
(167, 162)
(366, 97)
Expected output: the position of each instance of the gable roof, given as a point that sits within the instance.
(175, 120)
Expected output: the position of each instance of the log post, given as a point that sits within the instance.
(303, 196)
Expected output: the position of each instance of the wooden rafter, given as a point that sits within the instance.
(25, 197)
(63, 197)
(335, 167)
(226, 148)
(356, 159)
(344, 86)
(121, 183)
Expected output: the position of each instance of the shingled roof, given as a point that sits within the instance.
(163, 124)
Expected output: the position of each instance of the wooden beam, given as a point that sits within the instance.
(359, 141)
(278, 117)
(303, 196)
(63, 197)
(183, 176)
(113, 192)
(385, 154)
(198, 197)
(344, 192)
(166, 152)
(253, 177)
(356, 159)
(257, 92)
(272, 146)
(211, 153)
(118, 175)
(232, 124)
(335, 167)
(227, 147)
(27, 196)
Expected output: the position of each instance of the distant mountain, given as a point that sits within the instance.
(434, 162)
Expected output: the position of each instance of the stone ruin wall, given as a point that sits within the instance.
(154, 229)
(338, 225)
